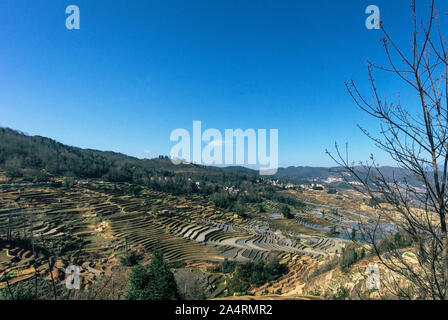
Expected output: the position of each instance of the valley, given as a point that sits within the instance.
(223, 232)
(93, 223)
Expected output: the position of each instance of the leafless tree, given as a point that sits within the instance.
(415, 137)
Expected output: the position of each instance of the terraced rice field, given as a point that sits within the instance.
(97, 222)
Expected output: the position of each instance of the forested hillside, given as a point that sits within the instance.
(37, 158)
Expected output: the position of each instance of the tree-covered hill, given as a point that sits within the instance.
(36, 156)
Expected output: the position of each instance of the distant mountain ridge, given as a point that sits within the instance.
(304, 172)
(24, 154)
(333, 175)
(20, 152)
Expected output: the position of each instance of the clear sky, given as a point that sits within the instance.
(136, 70)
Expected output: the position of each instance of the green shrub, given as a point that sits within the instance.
(177, 265)
(130, 259)
(156, 282)
(227, 266)
(286, 211)
(14, 173)
(259, 273)
(340, 294)
(349, 257)
(252, 273)
(19, 291)
(235, 286)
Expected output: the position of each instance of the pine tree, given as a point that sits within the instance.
(155, 282)
(164, 283)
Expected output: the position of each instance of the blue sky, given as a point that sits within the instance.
(136, 70)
